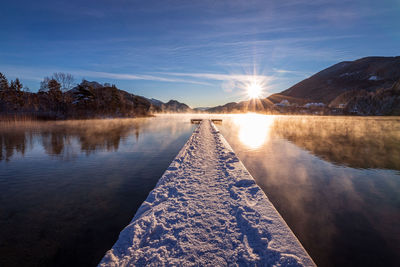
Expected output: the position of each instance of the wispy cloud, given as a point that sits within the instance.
(231, 82)
(264, 42)
(37, 74)
(227, 82)
(292, 72)
(125, 76)
(220, 77)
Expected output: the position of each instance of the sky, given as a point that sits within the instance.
(202, 53)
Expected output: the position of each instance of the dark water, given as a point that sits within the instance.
(68, 188)
(335, 181)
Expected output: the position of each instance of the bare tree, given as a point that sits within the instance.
(66, 80)
(44, 85)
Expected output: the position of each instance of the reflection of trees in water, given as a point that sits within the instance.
(57, 138)
(53, 143)
(66, 139)
(11, 142)
(108, 138)
(353, 141)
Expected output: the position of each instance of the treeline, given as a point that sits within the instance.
(385, 101)
(60, 98)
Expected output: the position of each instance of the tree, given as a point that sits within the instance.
(115, 99)
(84, 91)
(51, 86)
(16, 85)
(54, 90)
(54, 86)
(3, 82)
(44, 85)
(66, 80)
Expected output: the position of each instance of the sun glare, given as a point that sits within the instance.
(254, 90)
(253, 129)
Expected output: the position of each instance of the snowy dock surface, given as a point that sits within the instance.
(207, 210)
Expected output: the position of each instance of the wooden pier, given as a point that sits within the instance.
(197, 121)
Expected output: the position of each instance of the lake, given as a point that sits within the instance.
(68, 188)
(335, 181)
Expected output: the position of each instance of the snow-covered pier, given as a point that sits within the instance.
(197, 121)
(207, 210)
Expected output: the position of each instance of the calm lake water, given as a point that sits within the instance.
(68, 188)
(335, 181)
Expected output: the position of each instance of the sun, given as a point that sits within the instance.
(254, 90)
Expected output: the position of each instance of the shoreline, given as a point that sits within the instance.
(20, 118)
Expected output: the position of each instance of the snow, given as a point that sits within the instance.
(309, 105)
(345, 74)
(206, 209)
(373, 78)
(283, 103)
(349, 74)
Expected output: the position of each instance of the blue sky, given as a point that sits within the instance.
(198, 52)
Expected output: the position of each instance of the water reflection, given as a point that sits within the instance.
(66, 139)
(67, 188)
(352, 141)
(57, 138)
(13, 142)
(253, 129)
(357, 142)
(334, 180)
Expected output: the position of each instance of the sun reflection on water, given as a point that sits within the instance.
(254, 129)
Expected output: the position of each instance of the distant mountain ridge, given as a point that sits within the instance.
(155, 102)
(253, 105)
(172, 106)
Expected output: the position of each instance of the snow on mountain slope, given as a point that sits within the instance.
(207, 210)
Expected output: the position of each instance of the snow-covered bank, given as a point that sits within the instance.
(206, 210)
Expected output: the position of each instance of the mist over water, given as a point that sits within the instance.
(67, 188)
(335, 180)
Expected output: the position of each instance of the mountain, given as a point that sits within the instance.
(253, 105)
(367, 86)
(171, 106)
(174, 106)
(201, 109)
(227, 108)
(155, 102)
(368, 74)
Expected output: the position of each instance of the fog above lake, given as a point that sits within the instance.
(359, 142)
